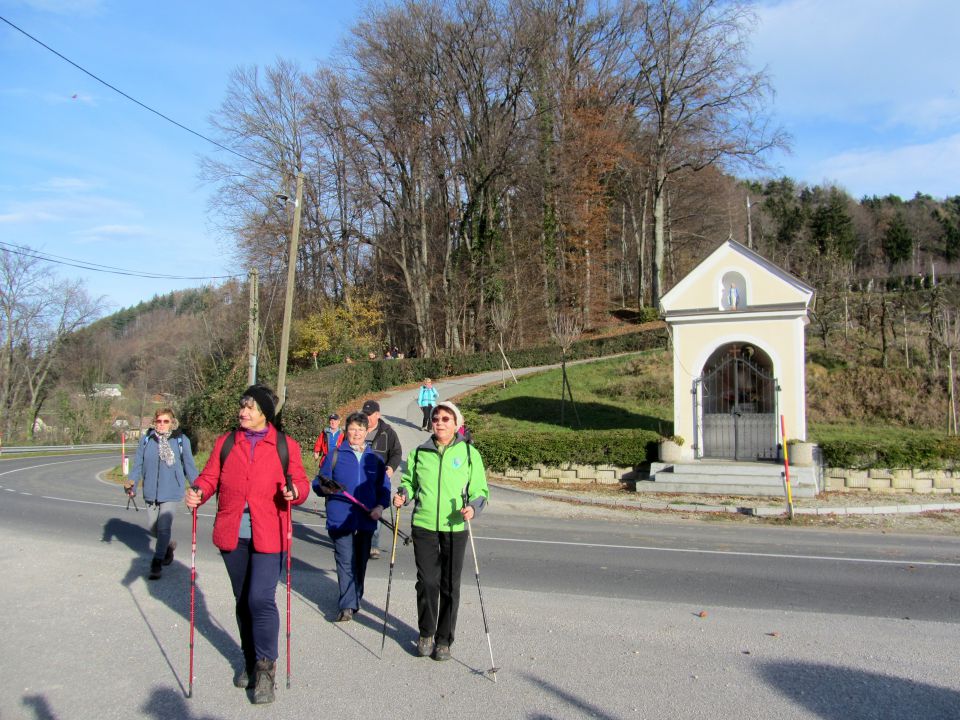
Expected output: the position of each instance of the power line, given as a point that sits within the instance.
(27, 252)
(134, 100)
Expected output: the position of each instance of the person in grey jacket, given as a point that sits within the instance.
(383, 439)
(163, 467)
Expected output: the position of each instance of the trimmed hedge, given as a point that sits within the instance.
(314, 394)
(625, 448)
(927, 453)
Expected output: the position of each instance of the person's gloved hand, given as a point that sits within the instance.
(326, 486)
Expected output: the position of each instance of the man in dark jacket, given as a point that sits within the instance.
(383, 440)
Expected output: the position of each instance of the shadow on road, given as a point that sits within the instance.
(40, 706)
(319, 589)
(579, 707)
(173, 589)
(602, 417)
(397, 420)
(842, 693)
(164, 703)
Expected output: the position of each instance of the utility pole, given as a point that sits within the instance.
(288, 304)
(253, 326)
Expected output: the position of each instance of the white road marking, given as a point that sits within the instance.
(115, 505)
(34, 467)
(694, 551)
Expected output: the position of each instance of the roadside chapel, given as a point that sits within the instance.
(737, 326)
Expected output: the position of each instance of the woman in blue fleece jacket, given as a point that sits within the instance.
(163, 467)
(360, 472)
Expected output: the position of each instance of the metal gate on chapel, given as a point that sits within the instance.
(738, 409)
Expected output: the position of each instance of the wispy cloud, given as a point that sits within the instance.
(67, 185)
(928, 168)
(876, 62)
(111, 233)
(67, 95)
(87, 208)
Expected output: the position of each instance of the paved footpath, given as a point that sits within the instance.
(80, 644)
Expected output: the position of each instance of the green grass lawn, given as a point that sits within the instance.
(624, 393)
(633, 392)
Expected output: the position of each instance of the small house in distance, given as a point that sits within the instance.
(737, 327)
(107, 390)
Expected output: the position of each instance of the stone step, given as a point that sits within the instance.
(707, 486)
(734, 469)
(712, 478)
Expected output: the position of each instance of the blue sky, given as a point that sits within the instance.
(869, 90)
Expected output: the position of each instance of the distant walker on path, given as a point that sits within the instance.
(427, 399)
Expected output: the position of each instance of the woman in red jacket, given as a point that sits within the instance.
(250, 528)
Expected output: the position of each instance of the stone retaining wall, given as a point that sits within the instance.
(936, 482)
(579, 474)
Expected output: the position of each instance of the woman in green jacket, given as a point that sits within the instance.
(446, 480)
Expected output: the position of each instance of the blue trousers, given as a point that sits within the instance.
(254, 577)
(351, 550)
(160, 521)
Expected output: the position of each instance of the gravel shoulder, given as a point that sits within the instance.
(619, 501)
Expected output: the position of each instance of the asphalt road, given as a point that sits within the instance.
(590, 615)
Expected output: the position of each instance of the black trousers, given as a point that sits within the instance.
(427, 412)
(439, 558)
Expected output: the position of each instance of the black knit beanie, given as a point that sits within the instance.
(266, 400)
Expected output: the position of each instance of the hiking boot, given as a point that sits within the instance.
(266, 671)
(155, 570)
(345, 615)
(441, 653)
(425, 646)
(374, 553)
(168, 557)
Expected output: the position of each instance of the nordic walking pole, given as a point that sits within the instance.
(289, 555)
(393, 559)
(193, 588)
(476, 571)
(340, 489)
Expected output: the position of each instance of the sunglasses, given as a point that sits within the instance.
(163, 422)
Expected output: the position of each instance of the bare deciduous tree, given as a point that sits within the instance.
(701, 102)
(37, 312)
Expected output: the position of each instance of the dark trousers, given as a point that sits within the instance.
(427, 412)
(351, 550)
(254, 577)
(439, 558)
(160, 521)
